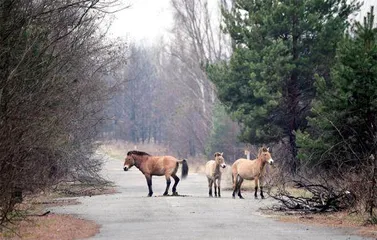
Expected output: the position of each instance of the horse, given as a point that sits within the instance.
(213, 173)
(158, 166)
(251, 170)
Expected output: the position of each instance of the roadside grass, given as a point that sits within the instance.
(351, 220)
(50, 227)
(32, 220)
(118, 149)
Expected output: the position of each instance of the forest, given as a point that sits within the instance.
(298, 76)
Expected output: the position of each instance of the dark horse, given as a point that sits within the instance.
(156, 165)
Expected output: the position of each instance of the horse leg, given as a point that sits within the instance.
(210, 181)
(149, 182)
(176, 181)
(167, 185)
(218, 186)
(234, 180)
(261, 188)
(256, 188)
(215, 187)
(240, 180)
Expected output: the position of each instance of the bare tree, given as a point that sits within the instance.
(53, 58)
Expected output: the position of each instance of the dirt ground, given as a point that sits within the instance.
(338, 220)
(43, 225)
(52, 227)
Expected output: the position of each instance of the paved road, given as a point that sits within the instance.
(131, 215)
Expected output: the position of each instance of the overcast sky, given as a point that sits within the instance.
(144, 20)
(147, 20)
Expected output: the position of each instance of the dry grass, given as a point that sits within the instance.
(28, 225)
(119, 149)
(338, 219)
(51, 227)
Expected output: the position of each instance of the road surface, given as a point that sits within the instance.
(129, 214)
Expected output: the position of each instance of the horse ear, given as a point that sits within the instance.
(268, 149)
(221, 154)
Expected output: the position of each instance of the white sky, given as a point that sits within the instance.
(145, 20)
(148, 20)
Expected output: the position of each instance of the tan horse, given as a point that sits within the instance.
(156, 165)
(213, 173)
(251, 170)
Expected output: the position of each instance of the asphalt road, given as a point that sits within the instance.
(131, 215)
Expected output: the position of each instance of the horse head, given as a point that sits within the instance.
(219, 159)
(265, 155)
(128, 162)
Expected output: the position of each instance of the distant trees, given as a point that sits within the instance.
(135, 116)
(278, 46)
(52, 93)
(168, 98)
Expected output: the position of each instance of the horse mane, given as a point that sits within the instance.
(217, 154)
(262, 149)
(138, 153)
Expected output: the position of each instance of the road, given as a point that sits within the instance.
(129, 214)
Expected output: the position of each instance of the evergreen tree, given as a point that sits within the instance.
(223, 137)
(344, 125)
(278, 47)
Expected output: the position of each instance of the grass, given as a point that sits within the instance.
(50, 227)
(344, 219)
(118, 149)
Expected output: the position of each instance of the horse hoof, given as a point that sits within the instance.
(165, 194)
(241, 197)
(175, 194)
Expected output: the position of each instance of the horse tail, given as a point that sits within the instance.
(185, 168)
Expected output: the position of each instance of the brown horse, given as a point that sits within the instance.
(213, 173)
(156, 165)
(251, 170)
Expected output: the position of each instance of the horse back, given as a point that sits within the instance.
(210, 168)
(245, 168)
(162, 165)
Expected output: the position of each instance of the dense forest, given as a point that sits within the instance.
(299, 76)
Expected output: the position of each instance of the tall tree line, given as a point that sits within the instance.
(169, 96)
(302, 75)
(53, 58)
(278, 47)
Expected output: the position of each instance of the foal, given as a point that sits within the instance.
(251, 170)
(213, 173)
(156, 165)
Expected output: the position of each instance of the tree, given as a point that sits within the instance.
(224, 136)
(134, 111)
(278, 46)
(53, 56)
(343, 130)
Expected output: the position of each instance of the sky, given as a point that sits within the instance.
(145, 20)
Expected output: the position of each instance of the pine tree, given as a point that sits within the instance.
(278, 47)
(343, 133)
(344, 124)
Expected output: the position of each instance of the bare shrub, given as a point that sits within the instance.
(53, 58)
